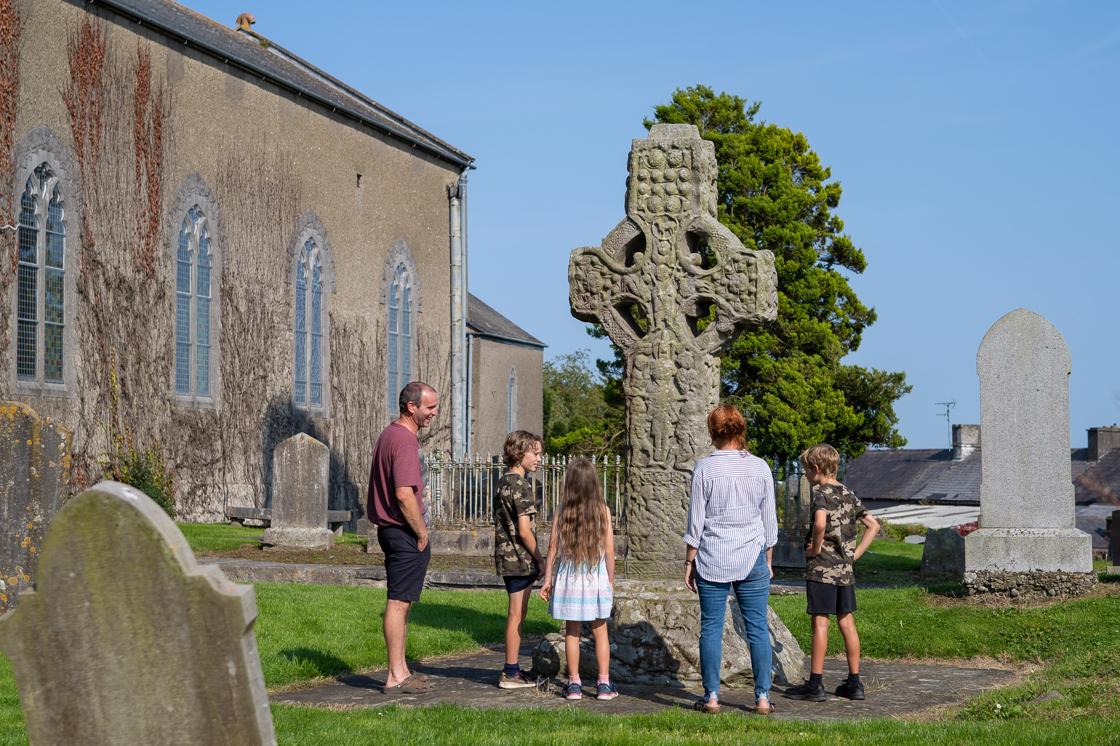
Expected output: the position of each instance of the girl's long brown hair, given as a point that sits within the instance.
(582, 524)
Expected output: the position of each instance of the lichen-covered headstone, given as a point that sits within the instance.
(1027, 543)
(126, 639)
(34, 472)
(300, 474)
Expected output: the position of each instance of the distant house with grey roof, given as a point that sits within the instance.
(506, 390)
(951, 477)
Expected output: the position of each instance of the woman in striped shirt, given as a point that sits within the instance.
(732, 529)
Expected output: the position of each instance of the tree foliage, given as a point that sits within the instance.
(578, 418)
(774, 193)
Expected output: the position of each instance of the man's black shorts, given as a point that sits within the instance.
(825, 598)
(405, 565)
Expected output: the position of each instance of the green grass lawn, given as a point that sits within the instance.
(221, 537)
(305, 632)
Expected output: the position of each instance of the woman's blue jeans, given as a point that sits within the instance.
(752, 593)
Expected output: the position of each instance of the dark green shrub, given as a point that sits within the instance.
(145, 470)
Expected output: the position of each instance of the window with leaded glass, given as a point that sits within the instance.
(400, 335)
(511, 401)
(307, 388)
(194, 265)
(41, 273)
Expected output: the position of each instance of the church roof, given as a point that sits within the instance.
(484, 321)
(266, 59)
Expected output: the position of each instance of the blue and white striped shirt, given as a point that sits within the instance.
(731, 516)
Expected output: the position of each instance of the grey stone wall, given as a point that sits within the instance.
(267, 158)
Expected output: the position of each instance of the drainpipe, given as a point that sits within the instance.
(465, 344)
(457, 322)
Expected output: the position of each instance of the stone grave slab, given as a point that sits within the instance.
(300, 482)
(126, 639)
(34, 480)
(1027, 543)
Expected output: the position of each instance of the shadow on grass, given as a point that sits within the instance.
(324, 664)
(481, 626)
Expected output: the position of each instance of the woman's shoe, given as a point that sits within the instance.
(764, 707)
(574, 690)
(709, 706)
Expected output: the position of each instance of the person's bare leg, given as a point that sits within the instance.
(820, 643)
(514, 618)
(602, 648)
(396, 634)
(847, 624)
(571, 648)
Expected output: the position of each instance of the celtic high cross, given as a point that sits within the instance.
(670, 284)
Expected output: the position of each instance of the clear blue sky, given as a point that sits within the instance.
(976, 144)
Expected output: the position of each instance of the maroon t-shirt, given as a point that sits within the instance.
(396, 463)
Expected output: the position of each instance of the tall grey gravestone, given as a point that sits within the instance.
(300, 474)
(127, 640)
(1027, 543)
(34, 476)
(671, 285)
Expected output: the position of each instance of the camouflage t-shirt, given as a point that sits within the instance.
(514, 498)
(842, 510)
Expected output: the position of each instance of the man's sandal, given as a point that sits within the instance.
(416, 683)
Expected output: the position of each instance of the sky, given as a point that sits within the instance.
(975, 144)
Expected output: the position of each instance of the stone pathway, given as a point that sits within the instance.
(893, 690)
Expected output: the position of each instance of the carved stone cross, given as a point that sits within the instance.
(670, 284)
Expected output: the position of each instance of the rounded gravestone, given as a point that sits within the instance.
(1027, 543)
(128, 640)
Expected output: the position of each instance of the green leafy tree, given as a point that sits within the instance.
(578, 418)
(774, 193)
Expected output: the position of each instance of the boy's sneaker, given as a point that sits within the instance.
(518, 681)
(807, 692)
(606, 691)
(851, 690)
(574, 690)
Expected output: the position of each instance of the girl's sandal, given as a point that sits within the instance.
(706, 706)
(764, 709)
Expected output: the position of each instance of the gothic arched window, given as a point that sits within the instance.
(194, 318)
(400, 334)
(307, 388)
(40, 295)
(511, 401)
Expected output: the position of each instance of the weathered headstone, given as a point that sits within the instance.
(34, 472)
(670, 285)
(300, 474)
(943, 553)
(1027, 543)
(793, 495)
(128, 640)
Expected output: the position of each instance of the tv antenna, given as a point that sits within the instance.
(948, 406)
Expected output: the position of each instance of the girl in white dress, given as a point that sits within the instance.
(579, 573)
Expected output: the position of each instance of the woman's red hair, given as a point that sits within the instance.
(726, 425)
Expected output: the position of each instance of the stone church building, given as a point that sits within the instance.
(215, 245)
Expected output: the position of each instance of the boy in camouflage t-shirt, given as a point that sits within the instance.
(830, 550)
(516, 557)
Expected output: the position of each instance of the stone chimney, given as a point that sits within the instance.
(1102, 440)
(966, 439)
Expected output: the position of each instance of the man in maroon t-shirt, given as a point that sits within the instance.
(396, 506)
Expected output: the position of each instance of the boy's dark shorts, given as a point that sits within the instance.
(517, 583)
(405, 565)
(825, 598)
